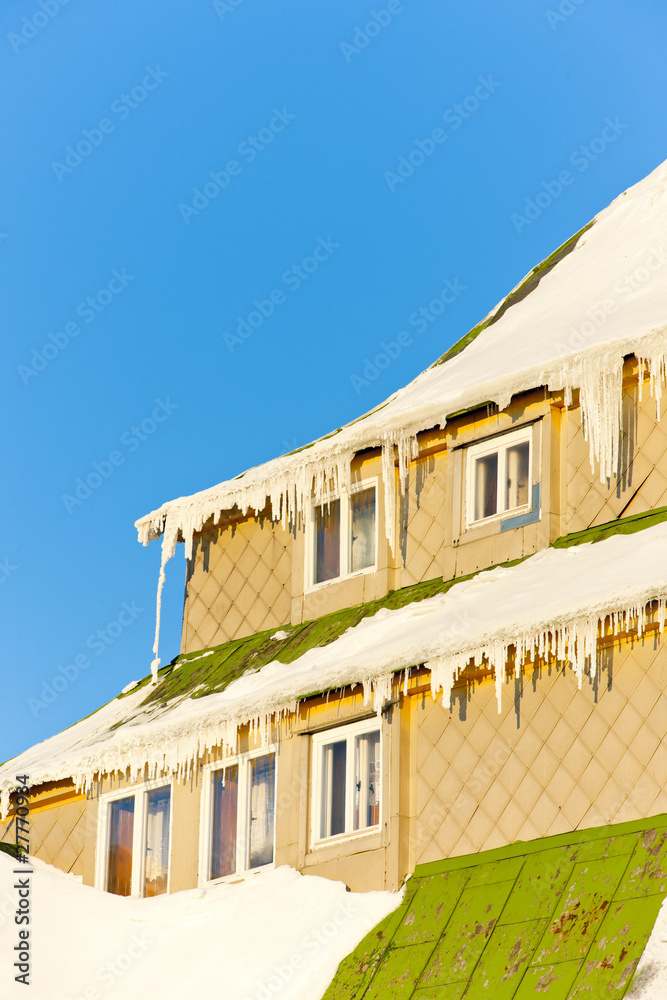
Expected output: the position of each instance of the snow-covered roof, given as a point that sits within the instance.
(602, 301)
(478, 619)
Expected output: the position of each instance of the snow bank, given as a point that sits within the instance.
(604, 300)
(650, 979)
(278, 933)
(555, 601)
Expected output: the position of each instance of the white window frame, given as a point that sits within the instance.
(243, 808)
(498, 444)
(138, 792)
(318, 740)
(345, 497)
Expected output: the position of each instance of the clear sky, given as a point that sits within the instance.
(169, 170)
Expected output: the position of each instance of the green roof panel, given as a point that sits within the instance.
(564, 917)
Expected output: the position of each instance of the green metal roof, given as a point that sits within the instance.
(621, 526)
(562, 918)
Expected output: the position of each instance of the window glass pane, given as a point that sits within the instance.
(119, 849)
(262, 777)
(366, 780)
(156, 861)
(225, 804)
(516, 492)
(486, 486)
(327, 541)
(362, 547)
(332, 803)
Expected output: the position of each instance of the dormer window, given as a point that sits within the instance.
(499, 476)
(343, 534)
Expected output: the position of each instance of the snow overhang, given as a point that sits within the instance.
(614, 585)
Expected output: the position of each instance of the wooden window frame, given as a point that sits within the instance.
(345, 497)
(335, 734)
(139, 794)
(243, 806)
(498, 444)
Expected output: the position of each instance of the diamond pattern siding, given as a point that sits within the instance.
(554, 760)
(642, 481)
(424, 528)
(57, 835)
(238, 583)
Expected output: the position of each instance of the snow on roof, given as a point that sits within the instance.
(276, 933)
(552, 602)
(602, 301)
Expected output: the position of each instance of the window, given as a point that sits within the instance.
(344, 537)
(346, 781)
(238, 816)
(133, 839)
(499, 476)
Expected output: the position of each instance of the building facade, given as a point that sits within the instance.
(411, 667)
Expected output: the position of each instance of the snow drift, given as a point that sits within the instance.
(277, 933)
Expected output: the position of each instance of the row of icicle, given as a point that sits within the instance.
(306, 481)
(573, 644)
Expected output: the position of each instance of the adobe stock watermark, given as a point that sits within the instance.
(97, 642)
(7, 569)
(581, 158)
(88, 310)
(122, 107)
(292, 279)
(223, 7)
(454, 117)
(566, 8)
(249, 149)
(33, 24)
(365, 33)
(419, 320)
(130, 440)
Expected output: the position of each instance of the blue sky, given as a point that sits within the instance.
(169, 170)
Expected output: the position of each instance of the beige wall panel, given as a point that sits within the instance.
(425, 519)
(57, 834)
(360, 872)
(186, 798)
(554, 760)
(642, 481)
(238, 583)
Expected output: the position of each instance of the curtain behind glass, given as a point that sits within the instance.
(262, 778)
(362, 517)
(516, 493)
(119, 850)
(367, 780)
(332, 803)
(225, 804)
(327, 541)
(486, 486)
(156, 857)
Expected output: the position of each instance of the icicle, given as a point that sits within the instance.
(389, 480)
(367, 685)
(381, 691)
